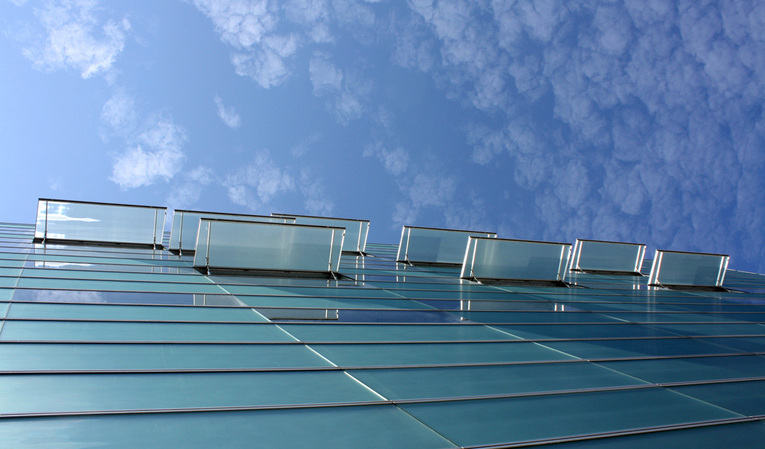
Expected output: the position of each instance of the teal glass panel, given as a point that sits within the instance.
(194, 278)
(581, 331)
(118, 286)
(515, 420)
(338, 427)
(56, 393)
(596, 255)
(427, 245)
(691, 369)
(96, 222)
(331, 292)
(746, 398)
(688, 269)
(420, 383)
(10, 272)
(747, 435)
(328, 303)
(107, 297)
(134, 313)
(356, 231)
(714, 329)
(159, 332)
(3, 308)
(183, 234)
(98, 260)
(504, 259)
(121, 356)
(393, 332)
(560, 316)
(235, 245)
(604, 349)
(360, 355)
(747, 344)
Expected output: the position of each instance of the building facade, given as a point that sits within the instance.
(242, 338)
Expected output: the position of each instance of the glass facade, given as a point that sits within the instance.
(128, 346)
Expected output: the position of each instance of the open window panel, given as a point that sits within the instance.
(80, 222)
(508, 261)
(433, 246)
(268, 249)
(356, 231)
(183, 234)
(598, 256)
(685, 270)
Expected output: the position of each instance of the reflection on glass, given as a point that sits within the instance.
(355, 230)
(596, 255)
(183, 234)
(90, 296)
(491, 259)
(74, 221)
(676, 268)
(435, 246)
(226, 245)
(299, 314)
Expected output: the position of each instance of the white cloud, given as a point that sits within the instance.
(228, 115)
(395, 160)
(156, 155)
(325, 77)
(119, 112)
(259, 182)
(187, 190)
(316, 201)
(76, 38)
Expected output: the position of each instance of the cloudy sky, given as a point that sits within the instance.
(637, 120)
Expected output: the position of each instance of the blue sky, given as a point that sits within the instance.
(551, 120)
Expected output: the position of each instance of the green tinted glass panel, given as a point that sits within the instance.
(94, 222)
(414, 383)
(693, 269)
(160, 332)
(183, 234)
(597, 349)
(72, 356)
(503, 259)
(355, 230)
(41, 393)
(579, 331)
(339, 427)
(393, 332)
(746, 398)
(435, 245)
(594, 255)
(225, 244)
(691, 369)
(112, 312)
(748, 435)
(434, 354)
(514, 420)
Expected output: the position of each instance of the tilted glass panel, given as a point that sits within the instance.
(379, 426)
(99, 223)
(688, 269)
(596, 255)
(506, 259)
(183, 234)
(515, 420)
(440, 246)
(356, 231)
(238, 245)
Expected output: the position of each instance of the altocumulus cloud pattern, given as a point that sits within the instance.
(621, 120)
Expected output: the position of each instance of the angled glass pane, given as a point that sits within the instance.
(437, 246)
(378, 426)
(356, 231)
(76, 221)
(675, 268)
(165, 356)
(45, 393)
(183, 234)
(491, 259)
(597, 255)
(517, 420)
(237, 245)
